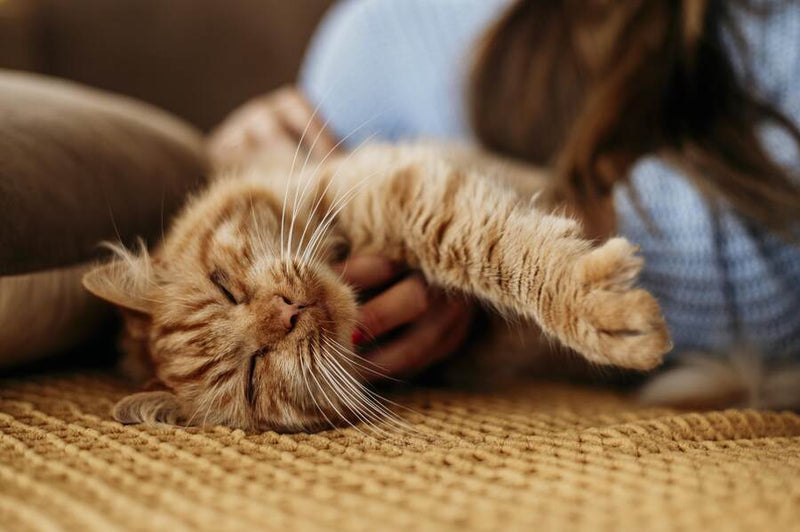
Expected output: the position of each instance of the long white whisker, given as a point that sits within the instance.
(295, 204)
(321, 197)
(345, 378)
(377, 401)
(294, 161)
(353, 401)
(364, 405)
(384, 399)
(325, 225)
(303, 373)
(330, 152)
(332, 180)
(354, 364)
(313, 176)
(333, 406)
(373, 408)
(355, 357)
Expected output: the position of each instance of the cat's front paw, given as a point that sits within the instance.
(617, 324)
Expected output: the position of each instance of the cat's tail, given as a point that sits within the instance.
(743, 377)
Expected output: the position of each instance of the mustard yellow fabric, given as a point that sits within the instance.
(536, 457)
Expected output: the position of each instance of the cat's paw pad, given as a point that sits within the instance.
(619, 324)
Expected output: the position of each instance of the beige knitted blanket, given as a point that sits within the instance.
(539, 457)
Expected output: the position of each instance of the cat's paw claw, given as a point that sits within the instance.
(622, 325)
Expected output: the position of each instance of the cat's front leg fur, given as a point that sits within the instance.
(467, 232)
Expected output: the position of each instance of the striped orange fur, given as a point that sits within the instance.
(240, 319)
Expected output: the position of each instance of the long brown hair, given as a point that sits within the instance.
(587, 87)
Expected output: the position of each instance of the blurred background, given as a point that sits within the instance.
(195, 58)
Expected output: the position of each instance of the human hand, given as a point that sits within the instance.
(276, 120)
(436, 324)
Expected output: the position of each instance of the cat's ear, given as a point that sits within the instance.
(123, 282)
(148, 407)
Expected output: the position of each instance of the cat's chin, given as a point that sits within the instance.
(319, 419)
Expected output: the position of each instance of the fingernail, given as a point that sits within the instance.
(358, 337)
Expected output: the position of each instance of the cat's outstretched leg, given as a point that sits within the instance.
(467, 232)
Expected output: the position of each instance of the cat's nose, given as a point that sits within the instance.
(289, 311)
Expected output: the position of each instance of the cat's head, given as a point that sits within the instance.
(237, 330)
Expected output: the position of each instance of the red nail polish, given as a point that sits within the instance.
(358, 337)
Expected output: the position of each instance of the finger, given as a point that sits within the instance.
(433, 338)
(298, 116)
(327, 140)
(452, 339)
(253, 131)
(264, 127)
(262, 118)
(400, 304)
(368, 271)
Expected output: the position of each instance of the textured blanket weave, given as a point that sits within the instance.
(542, 456)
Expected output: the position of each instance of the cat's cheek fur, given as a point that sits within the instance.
(215, 390)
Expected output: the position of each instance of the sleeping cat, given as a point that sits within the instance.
(238, 318)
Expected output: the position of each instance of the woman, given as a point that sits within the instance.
(670, 122)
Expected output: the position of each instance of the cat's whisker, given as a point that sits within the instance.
(330, 152)
(350, 401)
(361, 367)
(294, 161)
(373, 406)
(368, 391)
(312, 178)
(319, 230)
(303, 373)
(328, 355)
(353, 402)
(320, 233)
(362, 387)
(332, 179)
(323, 228)
(360, 406)
(352, 359)
(386, 422)
(295, 205)
(333, 406)
(365, 390)
(355, 355)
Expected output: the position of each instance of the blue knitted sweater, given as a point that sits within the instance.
(396, 69)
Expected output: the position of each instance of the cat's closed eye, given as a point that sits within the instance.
(220, 280)
(250, 391)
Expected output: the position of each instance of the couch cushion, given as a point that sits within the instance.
(77, 166)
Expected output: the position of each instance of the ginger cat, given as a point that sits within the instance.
(237, 317)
